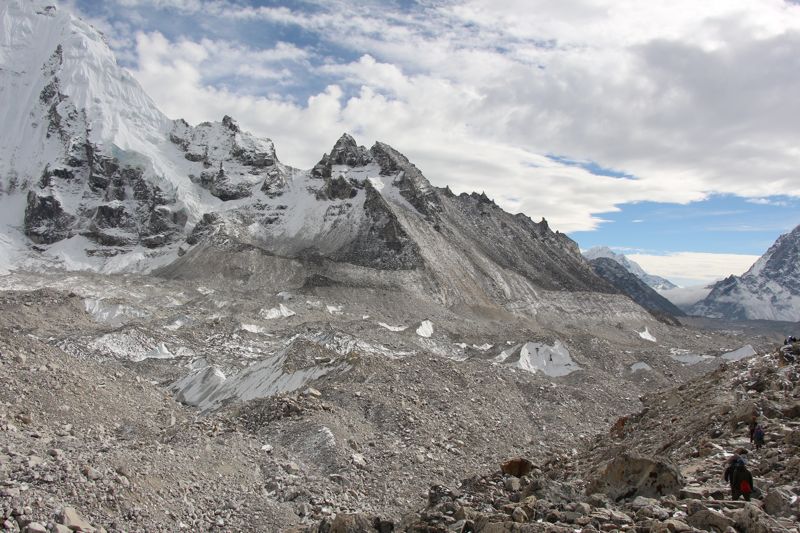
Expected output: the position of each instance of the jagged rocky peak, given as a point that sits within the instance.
(636, 289)
(226, 161)
(656, 282)
(345, 152)
(413, 185)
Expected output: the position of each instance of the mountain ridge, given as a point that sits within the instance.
(769, 290)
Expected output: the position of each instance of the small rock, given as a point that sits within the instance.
(311, 391)
(519, 515)
(359, 460)
(91, 473)
(512, 484)
(70, 518)
(35, 527)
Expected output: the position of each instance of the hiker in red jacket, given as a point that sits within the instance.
(740, 478)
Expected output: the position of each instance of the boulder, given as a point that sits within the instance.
(753, 520)
(743, 413)
(70, 518)
(707, 519)
(517, 467)
(351, 523)
(628, 476)
(778, 502)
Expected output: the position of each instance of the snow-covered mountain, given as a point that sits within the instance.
(656, 282)
(770, 290)
(95, 177)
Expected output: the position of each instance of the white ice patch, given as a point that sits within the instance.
(553, 360)
(133, 346)
(646, 335)
(686, 357)
(483, 347)
(178, 323)
(111, 313)
(392, 328)
(159, 352)
(741, 353)
(276, 312)
(425, 329)
(255, 328)
(207, 388)
(640, 366)
(334, 309)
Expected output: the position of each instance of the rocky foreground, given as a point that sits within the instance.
(90, 444)
(657, 471)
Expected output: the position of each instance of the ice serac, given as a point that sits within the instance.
(769, 290)
(656, 282)
(632, 286)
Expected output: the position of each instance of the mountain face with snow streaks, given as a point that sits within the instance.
(95, 177)
(656, 282)
(769, 290)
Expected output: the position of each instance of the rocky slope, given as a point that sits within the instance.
(658, 470)
(656, 282)
(160, 405)
(634, 287)
(770, 290)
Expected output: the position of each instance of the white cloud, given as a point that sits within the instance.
(694, 268)
(692, 98)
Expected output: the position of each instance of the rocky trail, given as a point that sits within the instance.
(657, 471)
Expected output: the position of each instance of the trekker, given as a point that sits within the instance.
(752, 427)
(758, 436)
(740, 478)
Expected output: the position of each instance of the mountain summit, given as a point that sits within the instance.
(656, 282)
(95, 177)
(769, 290)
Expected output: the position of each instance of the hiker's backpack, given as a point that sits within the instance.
(744, 487)
(758, 435)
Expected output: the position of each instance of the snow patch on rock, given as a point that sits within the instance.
(425, 329)
(646, 335)
(276, 312)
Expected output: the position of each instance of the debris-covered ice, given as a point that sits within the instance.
(741, 353)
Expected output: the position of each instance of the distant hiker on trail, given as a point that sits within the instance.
(752, 427)
(758, 437)
(739, 477)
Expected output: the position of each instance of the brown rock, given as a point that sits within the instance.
(351, 523)
(517, 467)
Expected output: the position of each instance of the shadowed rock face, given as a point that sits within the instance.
(45, 219)
(633, 287)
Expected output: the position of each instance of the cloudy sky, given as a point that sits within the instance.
(669, 130)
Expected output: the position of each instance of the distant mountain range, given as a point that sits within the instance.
(656, 282)
(634, 287)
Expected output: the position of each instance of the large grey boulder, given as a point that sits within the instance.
(628, 476)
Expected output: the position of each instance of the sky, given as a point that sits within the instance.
(667, 130)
